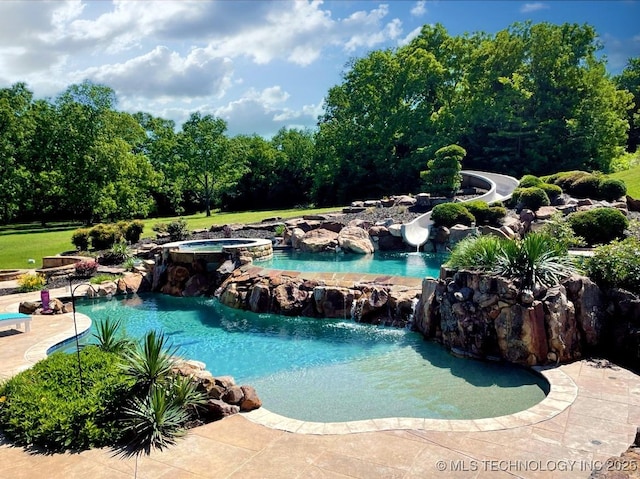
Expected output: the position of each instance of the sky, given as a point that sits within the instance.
(260, 65)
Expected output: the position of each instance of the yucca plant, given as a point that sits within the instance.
(538, 259)
(151, 361)
(183, 392)
(153, 421)
(109, 339)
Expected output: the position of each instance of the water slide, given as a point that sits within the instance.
(499, 187)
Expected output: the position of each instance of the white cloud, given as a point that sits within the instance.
(419, 9)
(163, 72)
(533, 7)
(410, 36)
(265, 112)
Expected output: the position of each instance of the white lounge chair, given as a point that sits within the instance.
(16, 319)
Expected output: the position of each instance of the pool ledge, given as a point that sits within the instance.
(562, 393)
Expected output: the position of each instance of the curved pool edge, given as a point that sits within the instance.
(563, 391)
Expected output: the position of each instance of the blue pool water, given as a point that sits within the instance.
(417, 265)
(327, 370)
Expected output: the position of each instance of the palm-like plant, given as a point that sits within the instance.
(183, 392)
(108, 338)
(153, 421)
(538, 259)
(150, 363)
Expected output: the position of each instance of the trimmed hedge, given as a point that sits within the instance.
(485, 214)
(104, 236)
(527, 181)
(588, 185)
(449, 214)
(599, 225)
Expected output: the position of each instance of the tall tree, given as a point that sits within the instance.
(202, 148)
(14, 134)
(629, 80)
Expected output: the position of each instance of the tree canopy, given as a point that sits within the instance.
(532, 98)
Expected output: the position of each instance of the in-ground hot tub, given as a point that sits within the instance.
(217, 250)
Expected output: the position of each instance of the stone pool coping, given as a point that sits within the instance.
(563, 392)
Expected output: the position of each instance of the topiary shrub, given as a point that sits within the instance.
(586, 187)
(80, 239)
(611, 189)
(566, 178)
(616, 265)
(443, 174)
(103, 236)
(599, 225)
(531, 198)
(449, 214)
(527, 181)
(552, 191)
(485, 214)
(45, 406)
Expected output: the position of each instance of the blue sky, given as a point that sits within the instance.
(258, 64)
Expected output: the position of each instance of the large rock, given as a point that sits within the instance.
(355, 240)
(251, 400)
(296, 237)
(589, 306)
(562, 332)
(220, 409)
(459, 232)
(333, 301)
(319, 240)
(260, 298)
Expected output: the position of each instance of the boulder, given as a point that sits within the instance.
(220, 409)
(633, 204)
(251, 400)
(404, 200)
(196, 285)
(233, 395)
(545, 212)
(296, 237)
(395, 230)
(260, 298)
(459, 232)
(319, 240)
(28, 307)
(333, 301)
(355, 240)
(490, 230)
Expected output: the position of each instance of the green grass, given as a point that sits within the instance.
(21, 242)
(631, 178)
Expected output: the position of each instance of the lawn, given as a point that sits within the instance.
(631, 178)
(21, 242)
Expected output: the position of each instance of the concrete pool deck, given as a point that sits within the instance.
(591, 414)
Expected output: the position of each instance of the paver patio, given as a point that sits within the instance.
(561, 439)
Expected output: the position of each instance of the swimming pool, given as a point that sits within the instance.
(327, 370)
(418, 265)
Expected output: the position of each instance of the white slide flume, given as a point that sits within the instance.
(499, 187)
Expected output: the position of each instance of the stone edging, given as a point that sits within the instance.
(563, 392)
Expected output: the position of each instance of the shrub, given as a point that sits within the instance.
(536, 260)
(31, 282)
(133, 231)
(552, 191)
(531, 198)
(44, 405)
(611, 189)
(80, 239)
(104, 277)
(616, 265)
(118, 254)
(178, 230)
(485, 214)
(160, 227)
(527, 181)
(565, 179)
(586, 187)
(560, 229)
(103, 236)
(476, 253)
(86, 268)
(449, 214)
(599, 225)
